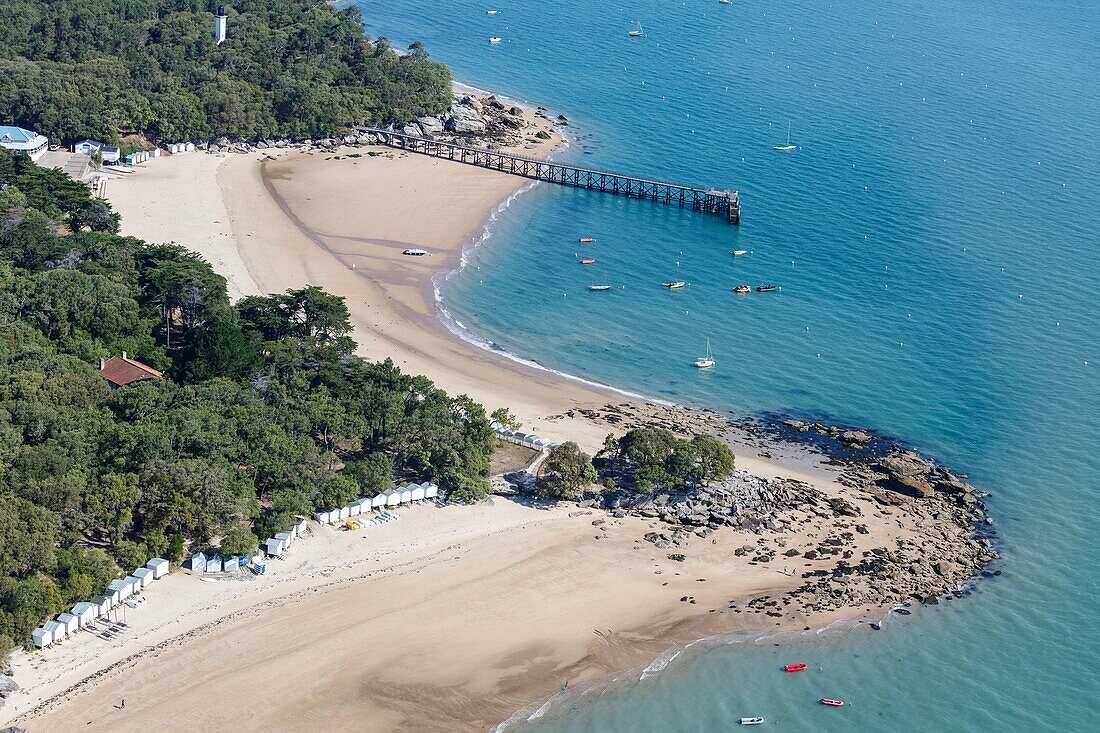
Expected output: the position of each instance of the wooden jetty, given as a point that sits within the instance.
(707, 201)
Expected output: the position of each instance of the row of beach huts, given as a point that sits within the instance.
(389, 498)
(85, 613)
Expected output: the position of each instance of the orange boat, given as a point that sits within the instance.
(588, 262)
(795, 668)
(832, 703)
(586, 240)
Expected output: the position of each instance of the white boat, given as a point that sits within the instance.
(495, 39)
(415, 252)
(727, 2)
(490, 12)
(599, 287)
(752, 721)
(788, 146)
(739, 252)
(637, 31)
(707, 361)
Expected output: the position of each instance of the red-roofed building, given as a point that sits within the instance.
(122, 370)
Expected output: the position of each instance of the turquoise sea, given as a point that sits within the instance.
(937, 240)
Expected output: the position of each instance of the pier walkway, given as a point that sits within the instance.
(707, 201)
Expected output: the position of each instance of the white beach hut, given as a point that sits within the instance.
(123, 588)
(407, 493)
(230, 563)
(418, 492)
(393, 497)
(324, 516)
(113, 596)
(286, 537)
(42, 638)
(102, 604)
(431, 492)
(57, 631)
(355, 509)
(135, 584)
(71, 622)
(145, 575)
(198, 562)
(300, 529)
(342, 513)
(159, 566)
(214, 564)
(275, 547)
(85, 613)
(378, 501)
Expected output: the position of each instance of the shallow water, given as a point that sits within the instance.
(936, 240)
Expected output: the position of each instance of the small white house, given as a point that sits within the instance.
(418, 492)
(355, 509)
(198, 562)
(145, 575)
(230, 563)
(286, 537)
(343, 513)
(159, 566)
(323, 516)
(135, 584)
(406, 494)
(85, 613)
(378, 501)
(214, 564)
(275, 547)
(71, 622)
(393, 497)
(42, 638)
(103, 605)
(431, 492)
(57, 630)
(113, 596)
(123, 588)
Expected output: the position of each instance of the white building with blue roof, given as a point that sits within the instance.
(24, 141)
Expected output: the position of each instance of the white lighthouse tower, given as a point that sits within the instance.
(219, 24)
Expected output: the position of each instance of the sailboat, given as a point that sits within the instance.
(788, 146)
(707, 361)
(637, 31)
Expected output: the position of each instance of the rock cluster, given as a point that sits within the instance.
(486, 122)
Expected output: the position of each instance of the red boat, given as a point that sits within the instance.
(795, 668)
(586, 240)
(832, 703)
(588, 262)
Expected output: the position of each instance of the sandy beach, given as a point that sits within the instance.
(454, 617)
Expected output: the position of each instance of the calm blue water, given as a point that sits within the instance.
(936, 237)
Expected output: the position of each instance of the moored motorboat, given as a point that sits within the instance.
(766, 288)
(495, 39)
(739, 252)
(742, 290)
(752, 721)
(588, 262)
(599, 287)
(586, 240)
(832, 703)
(795, 667)
(674, 284)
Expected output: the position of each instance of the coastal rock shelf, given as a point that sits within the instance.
(894, 528)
